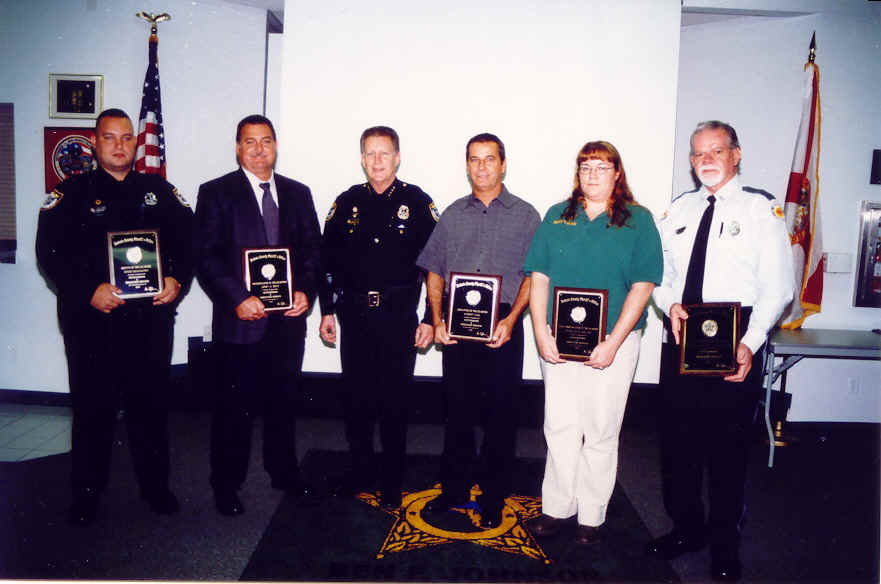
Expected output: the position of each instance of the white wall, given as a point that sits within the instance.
(749, 73)
(544, 76)
(211, 63)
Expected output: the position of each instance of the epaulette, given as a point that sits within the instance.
(756, 191)
(679, 196)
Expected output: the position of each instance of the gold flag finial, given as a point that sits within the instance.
(153, 19)
(813, 52)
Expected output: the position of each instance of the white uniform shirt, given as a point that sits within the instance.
(748, 254)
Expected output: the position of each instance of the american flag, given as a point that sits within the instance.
(150, 155)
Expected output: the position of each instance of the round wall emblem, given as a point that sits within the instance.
(73, 155)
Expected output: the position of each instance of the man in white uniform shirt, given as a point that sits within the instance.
(706, 419)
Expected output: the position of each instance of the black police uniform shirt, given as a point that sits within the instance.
(75, 218)
(371, 241)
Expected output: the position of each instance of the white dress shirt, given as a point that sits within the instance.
(258, 190)
(748, 254)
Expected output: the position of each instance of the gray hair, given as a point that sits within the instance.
(733, 142)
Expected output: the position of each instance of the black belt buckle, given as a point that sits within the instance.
(373, 298)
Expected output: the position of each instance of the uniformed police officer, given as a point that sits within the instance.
(372, 236)
(118, 351)
(722, 243)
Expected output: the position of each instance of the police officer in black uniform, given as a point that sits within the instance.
(372, 236)
(118, 351)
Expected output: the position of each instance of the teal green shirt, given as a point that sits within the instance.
(588, 254)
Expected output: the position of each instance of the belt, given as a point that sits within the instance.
(375, 299)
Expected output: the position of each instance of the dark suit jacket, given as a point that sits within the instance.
(228, 219)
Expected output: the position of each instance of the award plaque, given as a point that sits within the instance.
(579, 321)
(135, 267)
(709, 339)
(268, 276)
(473, 306)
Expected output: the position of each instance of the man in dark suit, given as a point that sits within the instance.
(259, 353)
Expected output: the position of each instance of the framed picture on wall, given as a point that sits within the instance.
(867, 287)
(67, 151)
(75, 96)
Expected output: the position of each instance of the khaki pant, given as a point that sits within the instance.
(584, 408)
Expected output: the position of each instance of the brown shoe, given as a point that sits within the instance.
(587, 535)
(545, 525)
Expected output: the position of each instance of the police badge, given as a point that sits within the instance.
(150, 199)
(403, 212)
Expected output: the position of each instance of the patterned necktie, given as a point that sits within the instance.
(270, 215)
(693, 292)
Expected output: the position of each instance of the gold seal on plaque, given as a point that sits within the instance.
(710, 327)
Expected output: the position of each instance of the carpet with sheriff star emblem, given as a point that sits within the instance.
(358, 539)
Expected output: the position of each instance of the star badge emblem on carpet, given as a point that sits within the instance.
(412, 531)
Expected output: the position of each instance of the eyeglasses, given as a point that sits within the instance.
(709, 154)
(601, 169)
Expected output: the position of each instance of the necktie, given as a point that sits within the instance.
(270, 215)
(694, 278)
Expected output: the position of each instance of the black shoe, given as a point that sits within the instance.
(83, 509)
(545, 525)
(491, 510)
(228, 503)
(162, 502)
(725, 563)
(674, 544)
(587, 535)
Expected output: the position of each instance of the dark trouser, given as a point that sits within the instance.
(378, 357)
(479, 385)
(258, 378)
(119, 360)
(706, 422)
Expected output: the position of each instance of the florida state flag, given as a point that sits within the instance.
(800, 207)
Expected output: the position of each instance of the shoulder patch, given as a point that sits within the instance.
(756, 191)
(434, 214)
(180, 198)
(51, 200)
(777, 211)
(330, 213)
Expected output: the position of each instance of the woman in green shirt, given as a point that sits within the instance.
(599, 239)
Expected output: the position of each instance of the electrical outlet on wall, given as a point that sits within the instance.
(853, 386)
